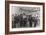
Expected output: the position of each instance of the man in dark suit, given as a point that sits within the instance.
(30, 20)
(35, 20)
(21, 20)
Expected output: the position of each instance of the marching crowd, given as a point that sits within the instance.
(23, 20)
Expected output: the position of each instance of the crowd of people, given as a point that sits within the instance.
(23, 20)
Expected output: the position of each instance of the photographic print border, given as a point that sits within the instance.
(21, 2)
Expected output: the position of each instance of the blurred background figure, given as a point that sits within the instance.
(12, 20)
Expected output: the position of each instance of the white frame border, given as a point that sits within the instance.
(25, 29)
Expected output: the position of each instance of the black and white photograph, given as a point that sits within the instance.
(25, 17)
